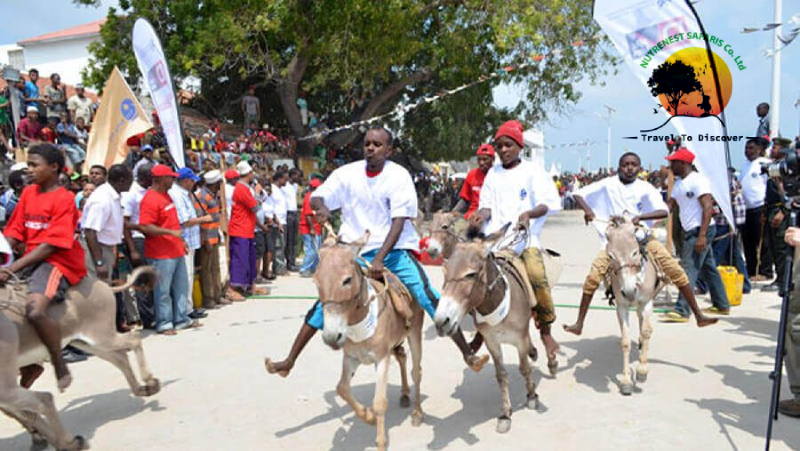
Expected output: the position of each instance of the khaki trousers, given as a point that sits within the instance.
(534, 265)
(210, 283)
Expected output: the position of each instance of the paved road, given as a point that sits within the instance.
(708, 389)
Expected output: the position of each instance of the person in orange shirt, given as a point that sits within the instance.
(44, 224)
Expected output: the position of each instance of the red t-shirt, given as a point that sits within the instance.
(243, 218)
(304, 227)
(471, 190)
(157, 209)
(48, 135)
(50, 218)
(30, 129)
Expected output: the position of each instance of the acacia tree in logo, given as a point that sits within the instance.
(674, 80)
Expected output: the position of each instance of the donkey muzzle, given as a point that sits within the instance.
(434, 248)
(448, 316)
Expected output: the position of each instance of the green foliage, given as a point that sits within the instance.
(358, 58)
(674, 80)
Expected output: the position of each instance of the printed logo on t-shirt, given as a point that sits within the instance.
(523, 194)
(690, 194)
(37, 222)
(755, 175)
(639, 206)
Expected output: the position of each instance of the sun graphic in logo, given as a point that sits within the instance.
(684, 83)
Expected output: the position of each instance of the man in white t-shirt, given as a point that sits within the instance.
(292, 217)
(692, 194)
(279, 181)
(623, 195)
(754, 190)
(516, 192)
(378, 196)
(131, 201)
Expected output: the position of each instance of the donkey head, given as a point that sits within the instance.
(443, 237)
(341, 286)
(466, 279)
(626, 258)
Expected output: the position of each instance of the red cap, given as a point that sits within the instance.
(485, 149)
(512, 129)
(231, 174)
(682, 154)
(162, 170)
(315, 183)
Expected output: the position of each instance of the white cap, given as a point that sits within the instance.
(18, 166)
(212, 177)
(32, 108)
(244, 168)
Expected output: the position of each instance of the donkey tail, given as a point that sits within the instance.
(148, 271)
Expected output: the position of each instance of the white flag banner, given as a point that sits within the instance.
(153, 66)
(646, 33)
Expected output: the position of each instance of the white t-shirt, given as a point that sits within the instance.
(279, 203)
(507, 193)
(371, 203)
(610, 197)
(687, 193)
(131, 201)
(103, 214)
(754, 183)
(290, 193)
(228, 189)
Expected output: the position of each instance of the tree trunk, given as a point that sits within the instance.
(287, 89)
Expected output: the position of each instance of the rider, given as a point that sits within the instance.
(515, 192)
(376, 196)
(470, 194)
(615, 196)
(44, 223)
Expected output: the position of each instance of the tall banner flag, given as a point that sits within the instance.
(153, 66)
(662, 43)
(118, 118)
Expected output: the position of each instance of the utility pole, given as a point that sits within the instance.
(609, 110)
(775, 101)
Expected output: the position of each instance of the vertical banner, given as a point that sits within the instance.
(648, 34)
(118, 118)
(153, 66)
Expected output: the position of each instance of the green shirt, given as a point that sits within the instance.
(4, 110)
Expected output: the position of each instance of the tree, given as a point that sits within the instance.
(356, 59)
(674, 80)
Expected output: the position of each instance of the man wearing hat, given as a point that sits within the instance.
(147, 158)
(310, 232)
(515, 192)
(181, 194)
(242, 228)
(471, 189)
(692, 194)
(208, 254)
(164, 248)
(29, 129)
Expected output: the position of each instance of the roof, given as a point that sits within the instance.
(88, 29)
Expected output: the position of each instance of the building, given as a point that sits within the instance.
(64, 52)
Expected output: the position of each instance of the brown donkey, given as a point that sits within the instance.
(370, 326)
(86, 318)
(475, 282)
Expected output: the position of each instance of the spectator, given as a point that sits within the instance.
(97, 174)
(181, 194)
(251, 108)
(56, 97)
(82, 133)
(80, 106)
(10, 198)
(165, 250)
(131, 203)
(292, 217)
(68, 137)
(29, 130)
(262, 227)
(31, 90)
(208, 254)
(777, 218)
(147, 159)
(103, 228)
(311, 233)
(279, 265)
(241, 229)
(270, 231)
(762, 111)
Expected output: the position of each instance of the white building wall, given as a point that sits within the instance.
(67, 58)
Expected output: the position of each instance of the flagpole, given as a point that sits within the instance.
(775, 101)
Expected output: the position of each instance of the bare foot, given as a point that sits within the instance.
(476, 363)
(576, 328)
(550, 346)
(282, 369)
(706, 321)
(64, 382)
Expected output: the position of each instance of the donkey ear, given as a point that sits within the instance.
(330, 241)
(357, 245)
(493, 238)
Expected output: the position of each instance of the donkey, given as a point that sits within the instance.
(634, 281)
(86, 318)
(443, 236)
(370, 327)
(475, 282)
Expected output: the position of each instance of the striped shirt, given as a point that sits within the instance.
(210, 203)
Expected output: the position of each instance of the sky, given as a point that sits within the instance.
(631, 99)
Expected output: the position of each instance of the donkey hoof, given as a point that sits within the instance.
(369, 416)
(641, 377)
(416, 419)
(38, 443)
(78, 443)
(405, 401)
(552, 366)
(533, 402)
(503, 424)
(626, 389)
(153, 386)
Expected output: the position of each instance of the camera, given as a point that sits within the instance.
(788, 170)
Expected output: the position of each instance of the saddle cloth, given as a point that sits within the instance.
(401, 298)
(515, 267)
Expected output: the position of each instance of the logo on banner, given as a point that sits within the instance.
(128, 109)
(157, 76)
(641, 41)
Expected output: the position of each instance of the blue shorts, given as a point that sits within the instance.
(408, 270)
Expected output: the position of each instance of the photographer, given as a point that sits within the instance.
(791, 407)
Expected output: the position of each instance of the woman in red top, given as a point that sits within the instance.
(44, 224)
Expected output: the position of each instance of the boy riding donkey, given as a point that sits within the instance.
(515, 192)
(377, 196)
